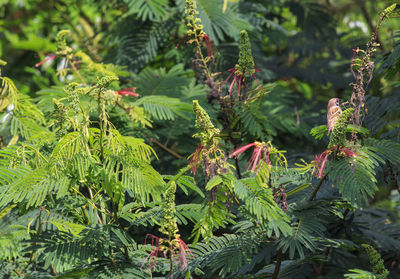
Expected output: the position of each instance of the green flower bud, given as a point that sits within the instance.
(338, 136)
(206, 130)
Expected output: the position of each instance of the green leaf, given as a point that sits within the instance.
(215, 181)
(298, 189)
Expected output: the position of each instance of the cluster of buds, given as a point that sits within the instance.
(60, 114)
(245, 67)
(63, 49)
(207, 152)
(105, 81)
(362, 67)
(338, 135)
(171, 244)
(195, 31)
(206, 131)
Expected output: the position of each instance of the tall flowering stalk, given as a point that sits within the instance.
(63, 50)
(245, 67)
(171, 245)
(338, 144)
(338, 135)
(362, 68)
(207, 154)
(197, 35)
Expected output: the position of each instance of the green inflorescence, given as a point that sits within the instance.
(192, 20)
(206, 130)
(62, 48)
(169, 226)
(71, 87)
(385, 14)
(105, 81)
(338, 136)
(378, 268)
(245, 66)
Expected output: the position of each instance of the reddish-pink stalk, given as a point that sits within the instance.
(255, 78)
(48, 57)
(210, 44)
(240, 83)
(236, 153)
(233, 82)
(323, 157)
(128, 91)
(183, 251)
(194, 160)
(255, 158)
(184, 37)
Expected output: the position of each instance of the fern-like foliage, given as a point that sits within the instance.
(306, 230)
(154, 10)
(136, 47)
(216, 254)
(64, 250)
(355, 178)
(219, 24)
(359, 274)
(259, 201)
(164, 108)
(255, 122)
(163, 82)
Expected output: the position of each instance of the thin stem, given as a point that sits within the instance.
(91, 197)
(278, 264)
(314, 193)
(369, 21)
(164, 147)
(91, 203)
(238, 168)
(76, 71)
(101, 124)
(202, 58)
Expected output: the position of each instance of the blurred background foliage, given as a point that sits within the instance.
(303, 48)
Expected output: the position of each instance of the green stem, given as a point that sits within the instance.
(202, 58)
(178, 175)
(76, 71)
(101, 124)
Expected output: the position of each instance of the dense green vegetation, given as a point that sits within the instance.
(188, 139)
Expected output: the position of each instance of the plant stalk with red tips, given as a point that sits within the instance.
(128, 91)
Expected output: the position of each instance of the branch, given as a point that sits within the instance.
(369, 22)
(278, 264)
(314, 193)
(170, 151)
